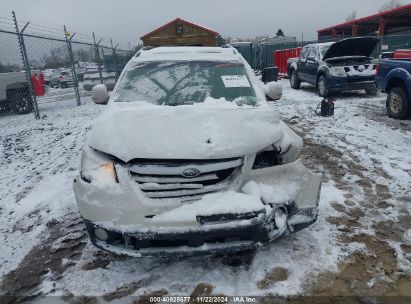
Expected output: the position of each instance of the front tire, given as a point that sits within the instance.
(322, 87)
(398, 105)
(21, 101)
(295, 82)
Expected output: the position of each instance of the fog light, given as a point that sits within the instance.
(280, 218)
(101, 234)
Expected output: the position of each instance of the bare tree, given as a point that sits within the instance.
(351, 16)
(279, 33)
(390, 5)
(56, 59)
(84, 55)
(6, 68)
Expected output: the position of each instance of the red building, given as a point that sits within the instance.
(389, 23)
(181, 32)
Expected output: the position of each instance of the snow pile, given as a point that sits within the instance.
(275, 194)
(39, 161)
(216, 203)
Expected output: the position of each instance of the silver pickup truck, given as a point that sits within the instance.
(14, 93)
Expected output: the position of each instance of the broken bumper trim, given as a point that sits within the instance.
(210, 241)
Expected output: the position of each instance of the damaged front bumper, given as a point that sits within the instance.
(210, 234)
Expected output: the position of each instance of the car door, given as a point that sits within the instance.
(302, 63)
(312, 65)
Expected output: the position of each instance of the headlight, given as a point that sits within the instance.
(269, 157)
(97, 167)
(338, 71)
(283, 152)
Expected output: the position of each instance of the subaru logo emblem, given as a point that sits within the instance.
(191, 172)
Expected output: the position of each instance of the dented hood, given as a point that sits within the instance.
(352, 47)
(186, 132)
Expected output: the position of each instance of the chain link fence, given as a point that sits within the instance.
(50, 68)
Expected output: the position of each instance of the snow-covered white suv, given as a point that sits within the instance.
(189, 159)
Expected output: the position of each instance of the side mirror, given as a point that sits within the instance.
(99, 94)
(269, 74)
(273, 91)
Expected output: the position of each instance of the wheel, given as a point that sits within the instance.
(398, 105)
(21, 101)
(322, 87)
(295, 82)
(373, 91)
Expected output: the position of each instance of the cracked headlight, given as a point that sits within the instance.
(269, 157)
(338, 71)
(281, 153)
(97, 167)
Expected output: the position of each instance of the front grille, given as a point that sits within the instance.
(360, 79)
(164, 179)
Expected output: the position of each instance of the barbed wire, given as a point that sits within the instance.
(52, 30)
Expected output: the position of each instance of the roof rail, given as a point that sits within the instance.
(144, 48)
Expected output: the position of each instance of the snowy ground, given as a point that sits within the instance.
(360, 245)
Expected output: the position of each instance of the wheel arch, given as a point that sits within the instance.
(399, 78)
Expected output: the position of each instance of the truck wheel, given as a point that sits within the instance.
(398, 106)
(322, 87)
(373, 91)
(295, 82)
(21, 101)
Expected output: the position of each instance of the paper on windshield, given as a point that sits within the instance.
(235, 81)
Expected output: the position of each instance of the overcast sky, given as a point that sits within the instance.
(127, 20)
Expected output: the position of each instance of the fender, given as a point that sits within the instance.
(323, 69)
(293, 66)
(400, 73)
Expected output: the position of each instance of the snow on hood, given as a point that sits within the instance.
(185, 132)
(362, 46)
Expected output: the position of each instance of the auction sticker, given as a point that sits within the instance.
(235, 81)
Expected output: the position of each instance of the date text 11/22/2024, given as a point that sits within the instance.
(203, 299)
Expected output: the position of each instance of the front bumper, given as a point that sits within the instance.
(129, 232)
(351, 84)
(246, 236)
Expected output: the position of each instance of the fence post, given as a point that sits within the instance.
(73, 66)
(97, 57)
(26, 64)
(115, 58)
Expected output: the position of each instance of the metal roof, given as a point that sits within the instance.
(402, 10)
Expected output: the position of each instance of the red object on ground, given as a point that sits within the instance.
(281, 57)
(36, 85)
(398, 54)
(41, 81)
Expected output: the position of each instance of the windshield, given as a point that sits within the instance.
(324, 49)
(185, 82)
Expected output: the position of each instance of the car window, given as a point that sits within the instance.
(314, 53)
(185, 82)
(304, 53)
(323, 49)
